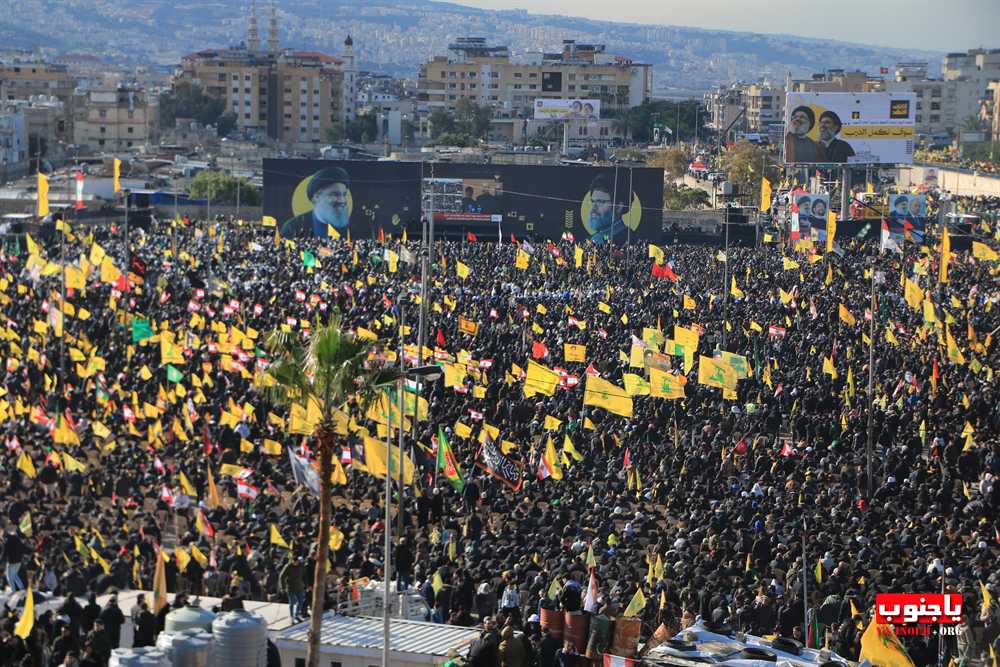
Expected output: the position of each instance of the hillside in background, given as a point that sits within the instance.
(395, 36)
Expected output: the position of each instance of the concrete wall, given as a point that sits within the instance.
(954, 181)
(201, 212)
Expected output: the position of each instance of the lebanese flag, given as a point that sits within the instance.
(258, 309)
(794, 231)
(246, 490)
(592, 371)
(787, 450)
(570, 381)
(776, 331)
(166, 495)
(345, 456)
(543, 469)
(493, 313)
(590, 601)
(469, 236)
(128, 414)
(486, 363)
(473, 414)
(79, 190)
(199, 294)
(619, 661)
(300, 296)
(158, 465)
(568, 236)
(203, 525)
(538, 350)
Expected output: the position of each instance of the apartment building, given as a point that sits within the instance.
(488, 76)
(118, 119)
(836, 81)
(723, 105)
(765, 104)
(14, 157)
(979, 65)
(24, 80)
(292, 97)
(943, 105)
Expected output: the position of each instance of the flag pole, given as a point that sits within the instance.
(805, 587)
(402, 409)
(871, 394)
(387, 565)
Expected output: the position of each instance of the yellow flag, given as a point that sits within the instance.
(635, 385)
(831, 230)
(604, 394)
(159, 583)
(789, 264)
(568, 447)
(689, 303)
(551, 423)
(736, 291)
(552, 459)
(765, 195)
(637, 604)
(276, 538)
(983, 251)
(72, 465)
(656, 253)
(540, 380)
(212, 499)
(521, 261)
(945, 255)
(880, 646)
(27, 621)
(913, 295)
(25, 465)
(118, 175)
(715, 373)
(665, 385)
(577, 353)
(461, 270)
(187, 486)
(43, 195)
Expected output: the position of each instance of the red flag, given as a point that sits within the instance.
(381, 235)
(592, 371)
(538, 350)
(786, 449)
(668, 272)
(627, 463)
(440, 338)
(741, 447)
(513, 239)
(469, 236)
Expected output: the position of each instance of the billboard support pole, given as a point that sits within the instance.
(725, 279)
(845, 184)
(871, 394)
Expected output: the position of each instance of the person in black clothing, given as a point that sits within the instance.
(404, 564)
(63, 644)
(145, 625)
(99, 640)
(113, 619)
(90, 614)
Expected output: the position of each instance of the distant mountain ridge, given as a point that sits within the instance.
(396, 36)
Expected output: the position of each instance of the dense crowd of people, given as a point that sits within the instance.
(704, 503)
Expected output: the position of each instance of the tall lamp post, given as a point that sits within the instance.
(418, 374)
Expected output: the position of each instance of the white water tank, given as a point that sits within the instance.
(240, 640)
(138, 657)
(187, 648)
(185, 618)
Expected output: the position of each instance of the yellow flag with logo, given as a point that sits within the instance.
(635, 385)
(575, 353)
(43, 195)
(765, 195)
(880, 646)
(603, 394)
(540, 380)
(666, 385)
(276, 538)
(637, 604)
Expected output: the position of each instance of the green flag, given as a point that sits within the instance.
(141, 329)
(308, 259)
(173, 374)
(447, 464)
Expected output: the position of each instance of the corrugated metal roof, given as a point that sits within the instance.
(366, 632)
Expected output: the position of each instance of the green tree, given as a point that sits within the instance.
(459, 139)
(673, 161)
(363, 129)
(678, 115)
(335, 133)
(327, 369)
(409, 129)
(472, 119)
(220, 187)
(189, 100)
(441, 122)
(682, 198)
(746, 163)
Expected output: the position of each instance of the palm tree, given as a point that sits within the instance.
(328, 368)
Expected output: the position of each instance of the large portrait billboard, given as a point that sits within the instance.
(576, 109)
(603, 204)
(849, 128)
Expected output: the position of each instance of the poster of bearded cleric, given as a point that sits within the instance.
(321, 198)
(849, 128)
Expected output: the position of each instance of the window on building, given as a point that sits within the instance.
(935, 106)
(494, 75)
(315, 117)
(222, 76)
(572, 77)
(288, 91)
(102, 113)
(452, 86)
(100, 142)
(336, 663)
(129, 144)
(302, 117)
(572, 87)
(935, 92)
(517, 86)
(919, 118)
(130, 128)
(247, 115)
(532, 86)
(517, 75)
(935, 119)
(104, 130)
(472, 86)
(288, 115)
(443, 74)
(236, 90)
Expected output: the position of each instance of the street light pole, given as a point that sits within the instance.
(387, 560)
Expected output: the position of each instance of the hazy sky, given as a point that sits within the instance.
(951, 25)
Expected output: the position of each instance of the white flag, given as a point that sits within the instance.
(590, 602)
(303, 472)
